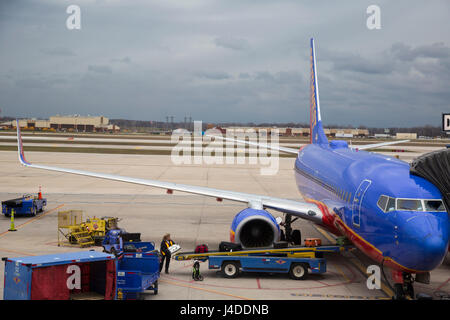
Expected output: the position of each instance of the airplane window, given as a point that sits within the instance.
(409, 204)
(382, 201)
(390, 205)
(434, 205)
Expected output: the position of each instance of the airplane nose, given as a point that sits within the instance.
(423, 241)
(435, 250)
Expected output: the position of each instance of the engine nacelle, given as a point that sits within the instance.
(254, 228)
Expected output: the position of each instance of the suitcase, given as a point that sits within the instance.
(280, 245)
(202, 248)
(131, 237)
(229, 246)
(313, 242)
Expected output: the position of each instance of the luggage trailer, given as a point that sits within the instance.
(296, 261)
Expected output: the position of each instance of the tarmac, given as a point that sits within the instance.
(190, 219)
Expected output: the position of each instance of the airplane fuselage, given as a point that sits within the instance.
(375, 202)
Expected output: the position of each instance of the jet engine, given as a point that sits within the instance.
(254, 228)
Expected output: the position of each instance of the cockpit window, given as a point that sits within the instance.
(382, 201)
(391, 205)
(434, 205)
(409, 205)
(388, 204)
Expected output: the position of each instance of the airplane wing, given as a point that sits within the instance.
(278, 148)
(377, 145)
(304, 210)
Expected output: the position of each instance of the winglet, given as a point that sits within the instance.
(317, 134)
(20, 146)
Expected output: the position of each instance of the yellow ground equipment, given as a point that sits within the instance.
(98, 227)
(70, 225)
(76, 232)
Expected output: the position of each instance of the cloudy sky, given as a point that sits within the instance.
(229, 60)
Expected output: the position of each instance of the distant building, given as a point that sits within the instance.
(304, 132)
(382, 135)
(343, 135)
(400, 135)
(79, 123)
(67, 123)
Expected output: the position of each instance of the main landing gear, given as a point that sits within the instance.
(403, 287)
(290, 235)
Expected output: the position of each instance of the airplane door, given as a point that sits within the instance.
(357, 201)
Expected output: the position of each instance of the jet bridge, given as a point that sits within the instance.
(435, 167)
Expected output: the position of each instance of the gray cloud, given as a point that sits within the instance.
(226, 61)
(231, 43)
(244, 75)
(213, 75)
(59, 51)
(100, 68)
(122, 60)
(406, 53)
(356, 63)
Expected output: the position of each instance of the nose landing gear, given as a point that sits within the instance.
(403, 285)
(405, 289)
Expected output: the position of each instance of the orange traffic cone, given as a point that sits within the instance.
(40, 193)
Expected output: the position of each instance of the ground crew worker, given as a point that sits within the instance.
(166, 255)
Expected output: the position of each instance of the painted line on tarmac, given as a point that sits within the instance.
(343, 274)
(258, 283)
(325, 234)
(203, 289)
(322, 286)
(32, 220)
(19, 252)
(358, 264)
(442, 285)
(316, 295)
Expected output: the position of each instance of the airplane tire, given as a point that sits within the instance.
(410, 290)
(399, 292)
(296, 237)
(282, 236)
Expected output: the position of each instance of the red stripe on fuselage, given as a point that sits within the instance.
(333, 223)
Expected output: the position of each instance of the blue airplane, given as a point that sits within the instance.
(396, 218)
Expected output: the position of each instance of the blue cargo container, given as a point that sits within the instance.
(137, 272)
(63, 276)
